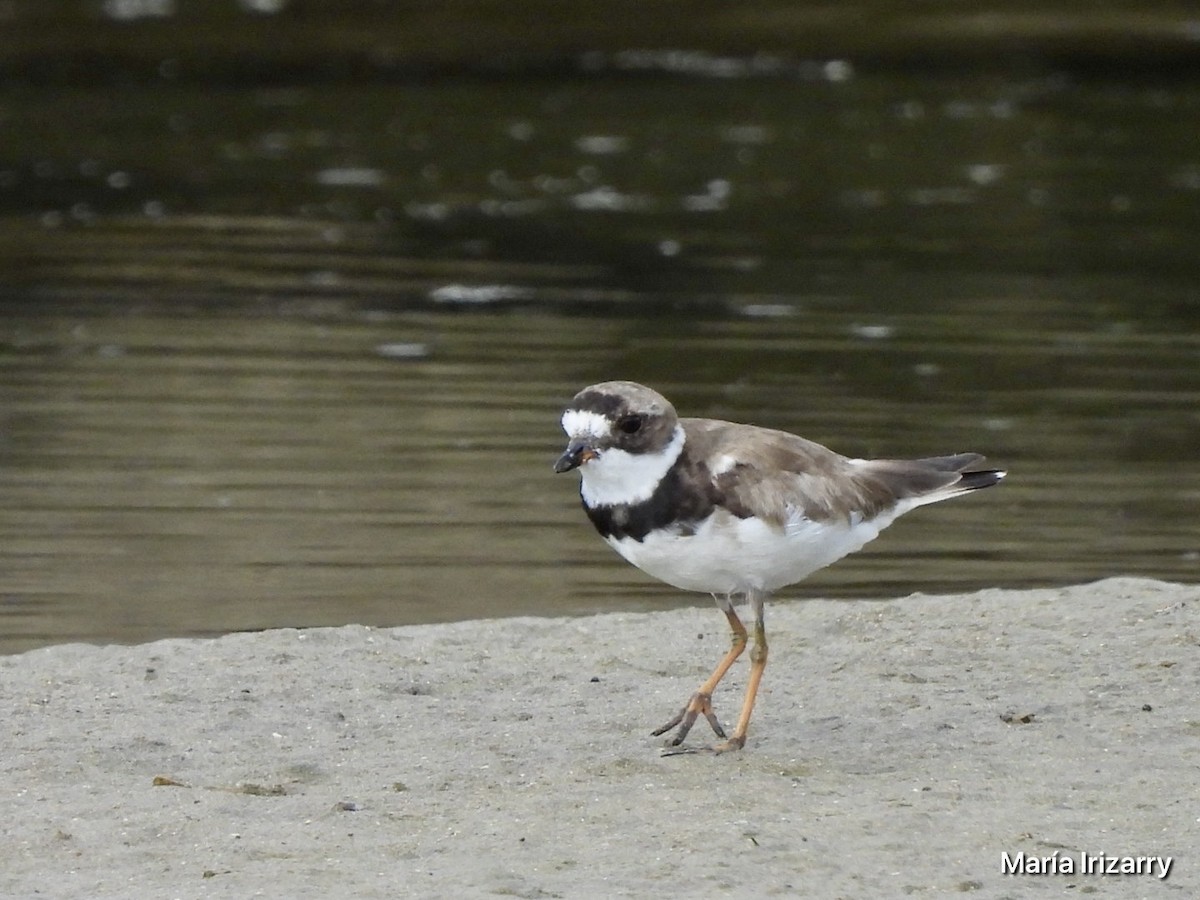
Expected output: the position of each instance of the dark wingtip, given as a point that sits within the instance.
(973, 481)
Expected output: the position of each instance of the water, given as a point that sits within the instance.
(295, 355)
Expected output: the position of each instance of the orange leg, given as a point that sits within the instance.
(758, 663)
(701, 701)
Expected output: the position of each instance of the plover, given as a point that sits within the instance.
(736, 511)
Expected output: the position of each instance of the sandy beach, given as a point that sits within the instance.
(921, 746)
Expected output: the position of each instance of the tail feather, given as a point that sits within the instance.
(908, 484)
(956, 462)
(934, 478)
(966, 482)
(969, 479)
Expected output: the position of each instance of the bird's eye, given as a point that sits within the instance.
(630, 424)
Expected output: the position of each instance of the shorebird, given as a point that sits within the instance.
(736, 511)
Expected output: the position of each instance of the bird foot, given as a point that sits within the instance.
(700, 703)
(733, 743)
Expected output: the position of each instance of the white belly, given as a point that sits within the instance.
(728, 555)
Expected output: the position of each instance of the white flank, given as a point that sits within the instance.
(731, 555)
(616, 476)
(579, 423)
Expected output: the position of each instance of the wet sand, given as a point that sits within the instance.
(899, 748)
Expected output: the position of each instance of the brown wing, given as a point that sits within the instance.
(777, 474)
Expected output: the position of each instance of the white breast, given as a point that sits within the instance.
(731, 555)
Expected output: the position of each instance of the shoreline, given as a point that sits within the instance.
(897, 747)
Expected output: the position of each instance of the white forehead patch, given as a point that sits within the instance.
(584, 423)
